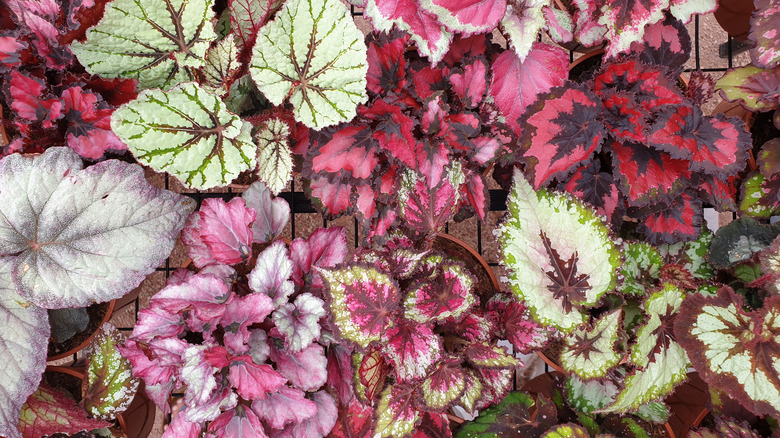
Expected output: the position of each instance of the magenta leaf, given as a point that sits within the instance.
(444, 386)
(221, 400)
(333, 198)
(241, 313)
(495, 384)
(393, 131)
(317, 426)
(468, 16)
(202, 296)
(306, 370)
(272, 214)
(386, 62)
(271, 274)
(160, 394)
(560, 132)
(516, 323)
(41, 18)
(716, 145)
(10, 52)
(198, 374)
(412, 349)
(680, 221)
(166, 359)
(430, 36)
(253, 381)
(361, 300)
(325, 248)
(286, 406)
(427, 206)
(449, 295)
(181, 428)
(299, 323)
(239, 422)
(470, 82)
(89, 124)
(155, 322)
(49, 411)
(701, 87)
(516, 84)
(354, 421)
(340, 372)
(764, 34)
(473, 327)
(351, 150)
(225, 229)
(30, 100)
(646, 175)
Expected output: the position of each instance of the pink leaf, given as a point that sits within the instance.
(470, 84)
(332, 197)
(203, 296)
(41, 18)
(258, 345)
(27, 100)
(340, 372)
(515, 85)
(764, 34)
(299, 322)
(253, 381)
(306, 369)
(198, 374)
(49, 411)
(412, 349)
(156, 362)
(225, 229)
(349, 150)
(10, 48)
(89, 126)
(426, 207)
(559, 24)
(221, 400)
(240, 314)
(476, 194)
(448, 295)
(317, 426)
(393, 131)
(272, 214)
(181, 428)
(386, 63)
(270, 276)
(240, 422)
(196, 248)
(286, 406)
(154, 322)
(325, 248)
(467, 16)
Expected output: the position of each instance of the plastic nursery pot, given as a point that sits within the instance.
(99, 314)
(137, 420)
(487, 283)
(734, 17)
(688, 405)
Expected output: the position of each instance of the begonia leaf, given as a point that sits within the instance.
(239, 422)
(181, 428)
(49, 411)
(157, 370)
(650, 85)
(395, 415)
(221, 400)
(317, 426)
(513, 416)
(588, 396)
(332, 198)
(89, 124)
(590, 351)
(197, 250)
(599, 190)
(153, 322)
(567, 430)
(79, 236)
(482, 355)
(274, 158)
(661, 360)
(588, 31)
(496, 384)
(755, 88)
(412, 349)
(444, 385)
(701, 87)
(241, 313)
(299, 322)
(221, 64)
(110, 386)
(624, 117)
(248, 16)
(733, 350)
(354, 421)
(679, 221)
(768, 158)
(765, 51)
(306, 369)
(198, 374)
(24, 335)
(560, 25)
(350, 149)
(720, 193)
(313, 54)
(759, 196)
(225, 229)
(272, 214)
(10, 52)
(286, 406)
(666, 43)
(691, 255)
(157, 46)
(202, 297)
(521, 23)
(41, 19)
(386, 62)
(259, 345)
(448, 296)
(425, 205)
(553, 268)
(340, 372)
(645, 175)
(518, 326)
(30, 99)
(739, 241)
(271, 274)
(642, 268)
(516, 84)
(431, 38)
(468, 17)
(188, 133)
(324, 248)
(559, 132)
(715, 145)
(470, 85)
(253, 381)
(361, 300)
(371, 371)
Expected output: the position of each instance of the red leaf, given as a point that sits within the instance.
(428, 80)
(340, 373)
(650, 86)
(89, 126)
(10, 51)
(645, 175)
(332, 197)
(427, 208)
(49, 411)
(467, 16)
(393, 131)
(470, 82)
(431, 38)
(354, 421)
(28, 100)
(679, 222)
(386, 62)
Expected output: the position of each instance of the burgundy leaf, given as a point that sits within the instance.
(412, 349)
(286, 406)
(354, 421)
(41, 18)
(649, 85)
(721, 194)
(477, 194)
(680, 221)
(665, 43)
(427, 207)
(340, 372)
(623, 117)
(253, 381)
(49, 411)
(427, 80)
(304, 370)
(645, 175)
(386, 62)
(473, 327)
(516, 324)
(599, 190)
(765, 51)
(470, 82)
(495, 383)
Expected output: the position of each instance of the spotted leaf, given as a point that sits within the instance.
(765, 51)
(755, 88)
(110, 386)
(412, 349)
(558, 252)
(566, 430)
(448, 296)
(739, 241)
(590, 352)
(312, 54)
(759, 196)
(485, 356)
(159, 46)
(187, 133)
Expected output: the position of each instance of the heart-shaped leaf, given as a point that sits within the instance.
(395, 415)
(187, 133)
(274, 158)
(444, 386)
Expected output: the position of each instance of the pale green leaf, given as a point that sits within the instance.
(111, 386)
(188, 133)
(590, 352)
(589, 396)
(152, 41)
(221, 64)
(313, 54)
(274, 158)
(642, 267)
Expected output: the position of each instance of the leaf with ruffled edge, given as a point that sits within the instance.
(395, 415)
(759, 196)
(271, 274)
(350, 151)
(661, 361)
(110, 386)
(305, 370)
(590, 352)
(444, 385)
(274, 158)
(202, 298)
(80, 236)
(253, 381)
(272, 214)
(317, 426)
(483, 355)
(755, 88)
(156, 45)
(412, 349)
(354, 420)
(30, 99)
(49, 411)
(558, 252)
(599, 190)
(425, 205)
(286, 406)
(448, 296)
(240, 314)
(641, 269)
(739, 241)
(765, 51)
(650, 85)
(240, 422)
(312, 54)
(188, 133)
(678, 221)
(588, 396)
(221, 64)
(734, 351)
(468, 17)
(324, 248)
(513, 417)
(386, 62)
(299, 322)
(665, 43)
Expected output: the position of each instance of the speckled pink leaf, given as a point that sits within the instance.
(304, 370)
(765, 33)
(449, 295)
(271, 274)
(198, 374)
(412, 349)
(204, 296)
(253, 381)
(49, 411)
(396, 414)
(181, 428)
(241, 313)
(286, 406)
(166, 358)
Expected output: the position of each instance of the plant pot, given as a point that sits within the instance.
(137, 420)
(688, 405)
(99, 314)
(582, 67)
(487, 283)
(734, 17)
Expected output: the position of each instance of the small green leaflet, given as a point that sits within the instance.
(274, 158)
(110, 383)
(641, 269)
(188, 133)
(314, 54)
(156, 43)
(558, 252)
(590, 352)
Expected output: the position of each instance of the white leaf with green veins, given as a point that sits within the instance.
(153, 41)
(221, 64)
(111, 386)
(558, 253)
(590, 352)
(274, 158)
(314, 54)
(188, 133)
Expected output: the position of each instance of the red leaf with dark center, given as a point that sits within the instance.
(623, 117)
(428, 80)
(645, 175)
(665, 43)
(679, 222)
(354, 421)
(386, 62)
(350, 149)
(333, 198)
(464, 48)
(650, 85)
(89, 126)
(722, 194)
(599, 190)
(31, 100)
(393, 130)
(433, 425)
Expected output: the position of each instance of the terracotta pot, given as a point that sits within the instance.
(577, 64)
(137, 420)
(734, 17)
(688, 405)
(549, 361)
(460, 250)
(109, 306)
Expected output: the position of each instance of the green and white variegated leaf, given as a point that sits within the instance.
(558, 252)
(654, 412)
(188, 133)
(591, 395)
(221, 64)
(522, 26)
(111, 386)
(156, 43)
(24, 335)
(566, 430)
(274, 158)
(590, 351)
(642, 268)
(661, 361)
(314, 54)
(691, 255)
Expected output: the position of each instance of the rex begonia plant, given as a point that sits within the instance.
(70, 236)
(242, 332)
(421, 340)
